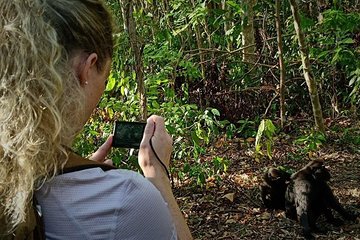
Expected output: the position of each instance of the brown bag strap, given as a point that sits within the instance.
(78, 163)
(39, 229)
(32, 228)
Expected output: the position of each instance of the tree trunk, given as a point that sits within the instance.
(248, 38)
(311, 83)
(227, 23)
(199, 44)
(281, 63)
(130, 28)
(320, 5)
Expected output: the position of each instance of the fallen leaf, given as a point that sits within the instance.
(355, 192)
(250, 139)
(229, 196)
(230, 221)
(265, 216)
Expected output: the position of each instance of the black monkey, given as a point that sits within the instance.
(273, 188)
(308, 196)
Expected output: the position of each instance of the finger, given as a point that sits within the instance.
(159, 124)
(109, 162)
(103, 150)
(160, 129)
(149, 129)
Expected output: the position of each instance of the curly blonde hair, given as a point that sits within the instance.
(40, 96)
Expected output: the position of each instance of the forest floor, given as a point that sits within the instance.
(232, 208)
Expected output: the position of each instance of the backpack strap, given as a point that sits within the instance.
(32, 228)
(39, 229)
(78, 163)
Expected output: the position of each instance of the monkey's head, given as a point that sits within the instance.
(276, 176)
(319, 171)
(316, 169)
(276, 181)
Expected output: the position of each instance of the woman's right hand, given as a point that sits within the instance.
(155, 172)
(162, 144)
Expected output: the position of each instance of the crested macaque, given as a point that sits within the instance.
(308, 196)
(273, 188)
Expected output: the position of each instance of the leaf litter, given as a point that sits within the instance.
(232, 208)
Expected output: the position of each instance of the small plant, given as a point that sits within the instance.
(311, 142)
(350, 138)
(286, 169)
(295, 156)
(264, 135)
(199, 172)
(355, 84)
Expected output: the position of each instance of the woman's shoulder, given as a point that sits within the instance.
(118, 185)
(98, 179)
(131, 201)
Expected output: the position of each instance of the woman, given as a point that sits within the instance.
(55, 58)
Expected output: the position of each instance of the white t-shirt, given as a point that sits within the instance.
(96, 204)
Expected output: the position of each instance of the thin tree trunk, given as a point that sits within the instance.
(248, 32)
(130, 27)
(311, 83)
(208, 34)
(281, 63)
(320, 4)
(226, 23)
(199, 45)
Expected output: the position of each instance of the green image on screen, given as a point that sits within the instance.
(128, 134)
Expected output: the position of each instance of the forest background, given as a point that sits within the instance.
(242, 85)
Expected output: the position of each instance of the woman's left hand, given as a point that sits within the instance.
(103, 151)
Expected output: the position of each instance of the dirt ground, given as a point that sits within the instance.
(232, 208)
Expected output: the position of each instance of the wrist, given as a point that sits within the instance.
(155, 171)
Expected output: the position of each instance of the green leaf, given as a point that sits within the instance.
(270, 126)
(171, 129)
(268, 149)
(155, 104)
(195, 138)
(200, 133)
(335, 58)
(347, 41)
(201, 178)
(260, 133)
(353, 80)
(111, 83)
(186, 167)
(322, 54)
(180, 30)
(215, 112)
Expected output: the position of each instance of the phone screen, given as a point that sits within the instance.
(128, 134)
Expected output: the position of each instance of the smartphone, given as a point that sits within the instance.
(128, 134)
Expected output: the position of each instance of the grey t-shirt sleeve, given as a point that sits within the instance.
(145, 212)
(93, 204)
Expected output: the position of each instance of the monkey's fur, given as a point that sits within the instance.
(308, 196)
(274, 187)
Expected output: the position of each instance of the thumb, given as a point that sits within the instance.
(148, 131)
(103, 150)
